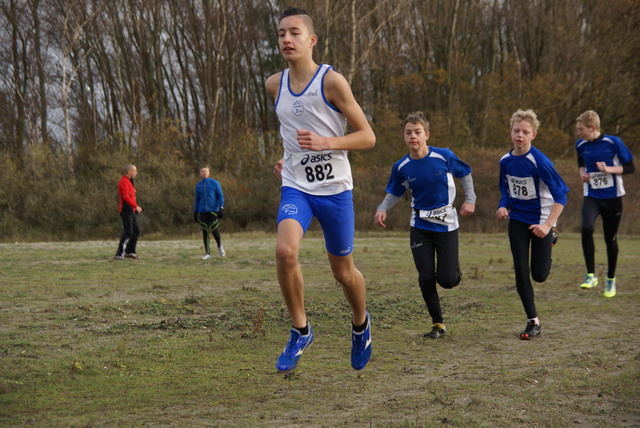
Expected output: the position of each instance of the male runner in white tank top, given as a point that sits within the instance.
(313, 103)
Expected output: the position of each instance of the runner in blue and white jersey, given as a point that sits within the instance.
(602, 160)
(313, 104)
(428, 173)
(529, 186)
(533, 196)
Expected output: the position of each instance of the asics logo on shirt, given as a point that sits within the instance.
(519, 181)
(312, 93)
(315, 158)
(439, 214)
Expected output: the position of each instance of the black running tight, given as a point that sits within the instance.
(209, 223)
(425, 246)
(521, 239)
(611, 212)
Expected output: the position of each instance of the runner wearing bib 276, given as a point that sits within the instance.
(602, 160)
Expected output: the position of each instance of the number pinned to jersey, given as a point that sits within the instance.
(521, 187)
(444, 215)
(321, 168)
(600, 180)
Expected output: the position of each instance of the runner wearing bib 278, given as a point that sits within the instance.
(602, 160)
(533, 196)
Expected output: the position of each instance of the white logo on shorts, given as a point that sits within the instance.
(290, 209)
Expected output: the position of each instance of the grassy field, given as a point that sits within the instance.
(172, 340)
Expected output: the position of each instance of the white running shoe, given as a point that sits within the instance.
(206, 257)
(221, 250)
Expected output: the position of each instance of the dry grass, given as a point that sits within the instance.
(171, 340)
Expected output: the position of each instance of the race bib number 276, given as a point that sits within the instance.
(600, 180)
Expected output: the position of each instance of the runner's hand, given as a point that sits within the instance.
(380, 218)
(312, 141)
(277, 169)
(467, 209)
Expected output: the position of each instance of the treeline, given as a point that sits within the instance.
(91, 85)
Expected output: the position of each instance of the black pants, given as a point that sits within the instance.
(611, 212)
(521, 239)
(425, 246)
(209, 223)
(129, 237)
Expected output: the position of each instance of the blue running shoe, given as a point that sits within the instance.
(297, 343)
(361, 346)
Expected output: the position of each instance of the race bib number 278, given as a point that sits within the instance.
(521, 187)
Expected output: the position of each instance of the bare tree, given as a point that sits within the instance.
(72, 18)
(17, 82)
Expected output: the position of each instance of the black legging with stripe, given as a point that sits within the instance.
(521, 239)
(611, 212)
(209, 223)
(426, 246)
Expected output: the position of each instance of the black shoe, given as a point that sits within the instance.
(554, 233)
(437, 331)
(532, 330)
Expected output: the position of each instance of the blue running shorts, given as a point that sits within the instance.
(335, 214)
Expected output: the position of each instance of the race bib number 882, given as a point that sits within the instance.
(319, 167)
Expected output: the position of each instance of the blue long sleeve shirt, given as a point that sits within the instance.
(529, 186)
(209, 196)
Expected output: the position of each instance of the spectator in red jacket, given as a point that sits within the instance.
(128, 209)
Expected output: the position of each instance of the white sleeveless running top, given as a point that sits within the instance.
(318, 173)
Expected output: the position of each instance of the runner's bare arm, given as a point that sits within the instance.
(338, 93)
